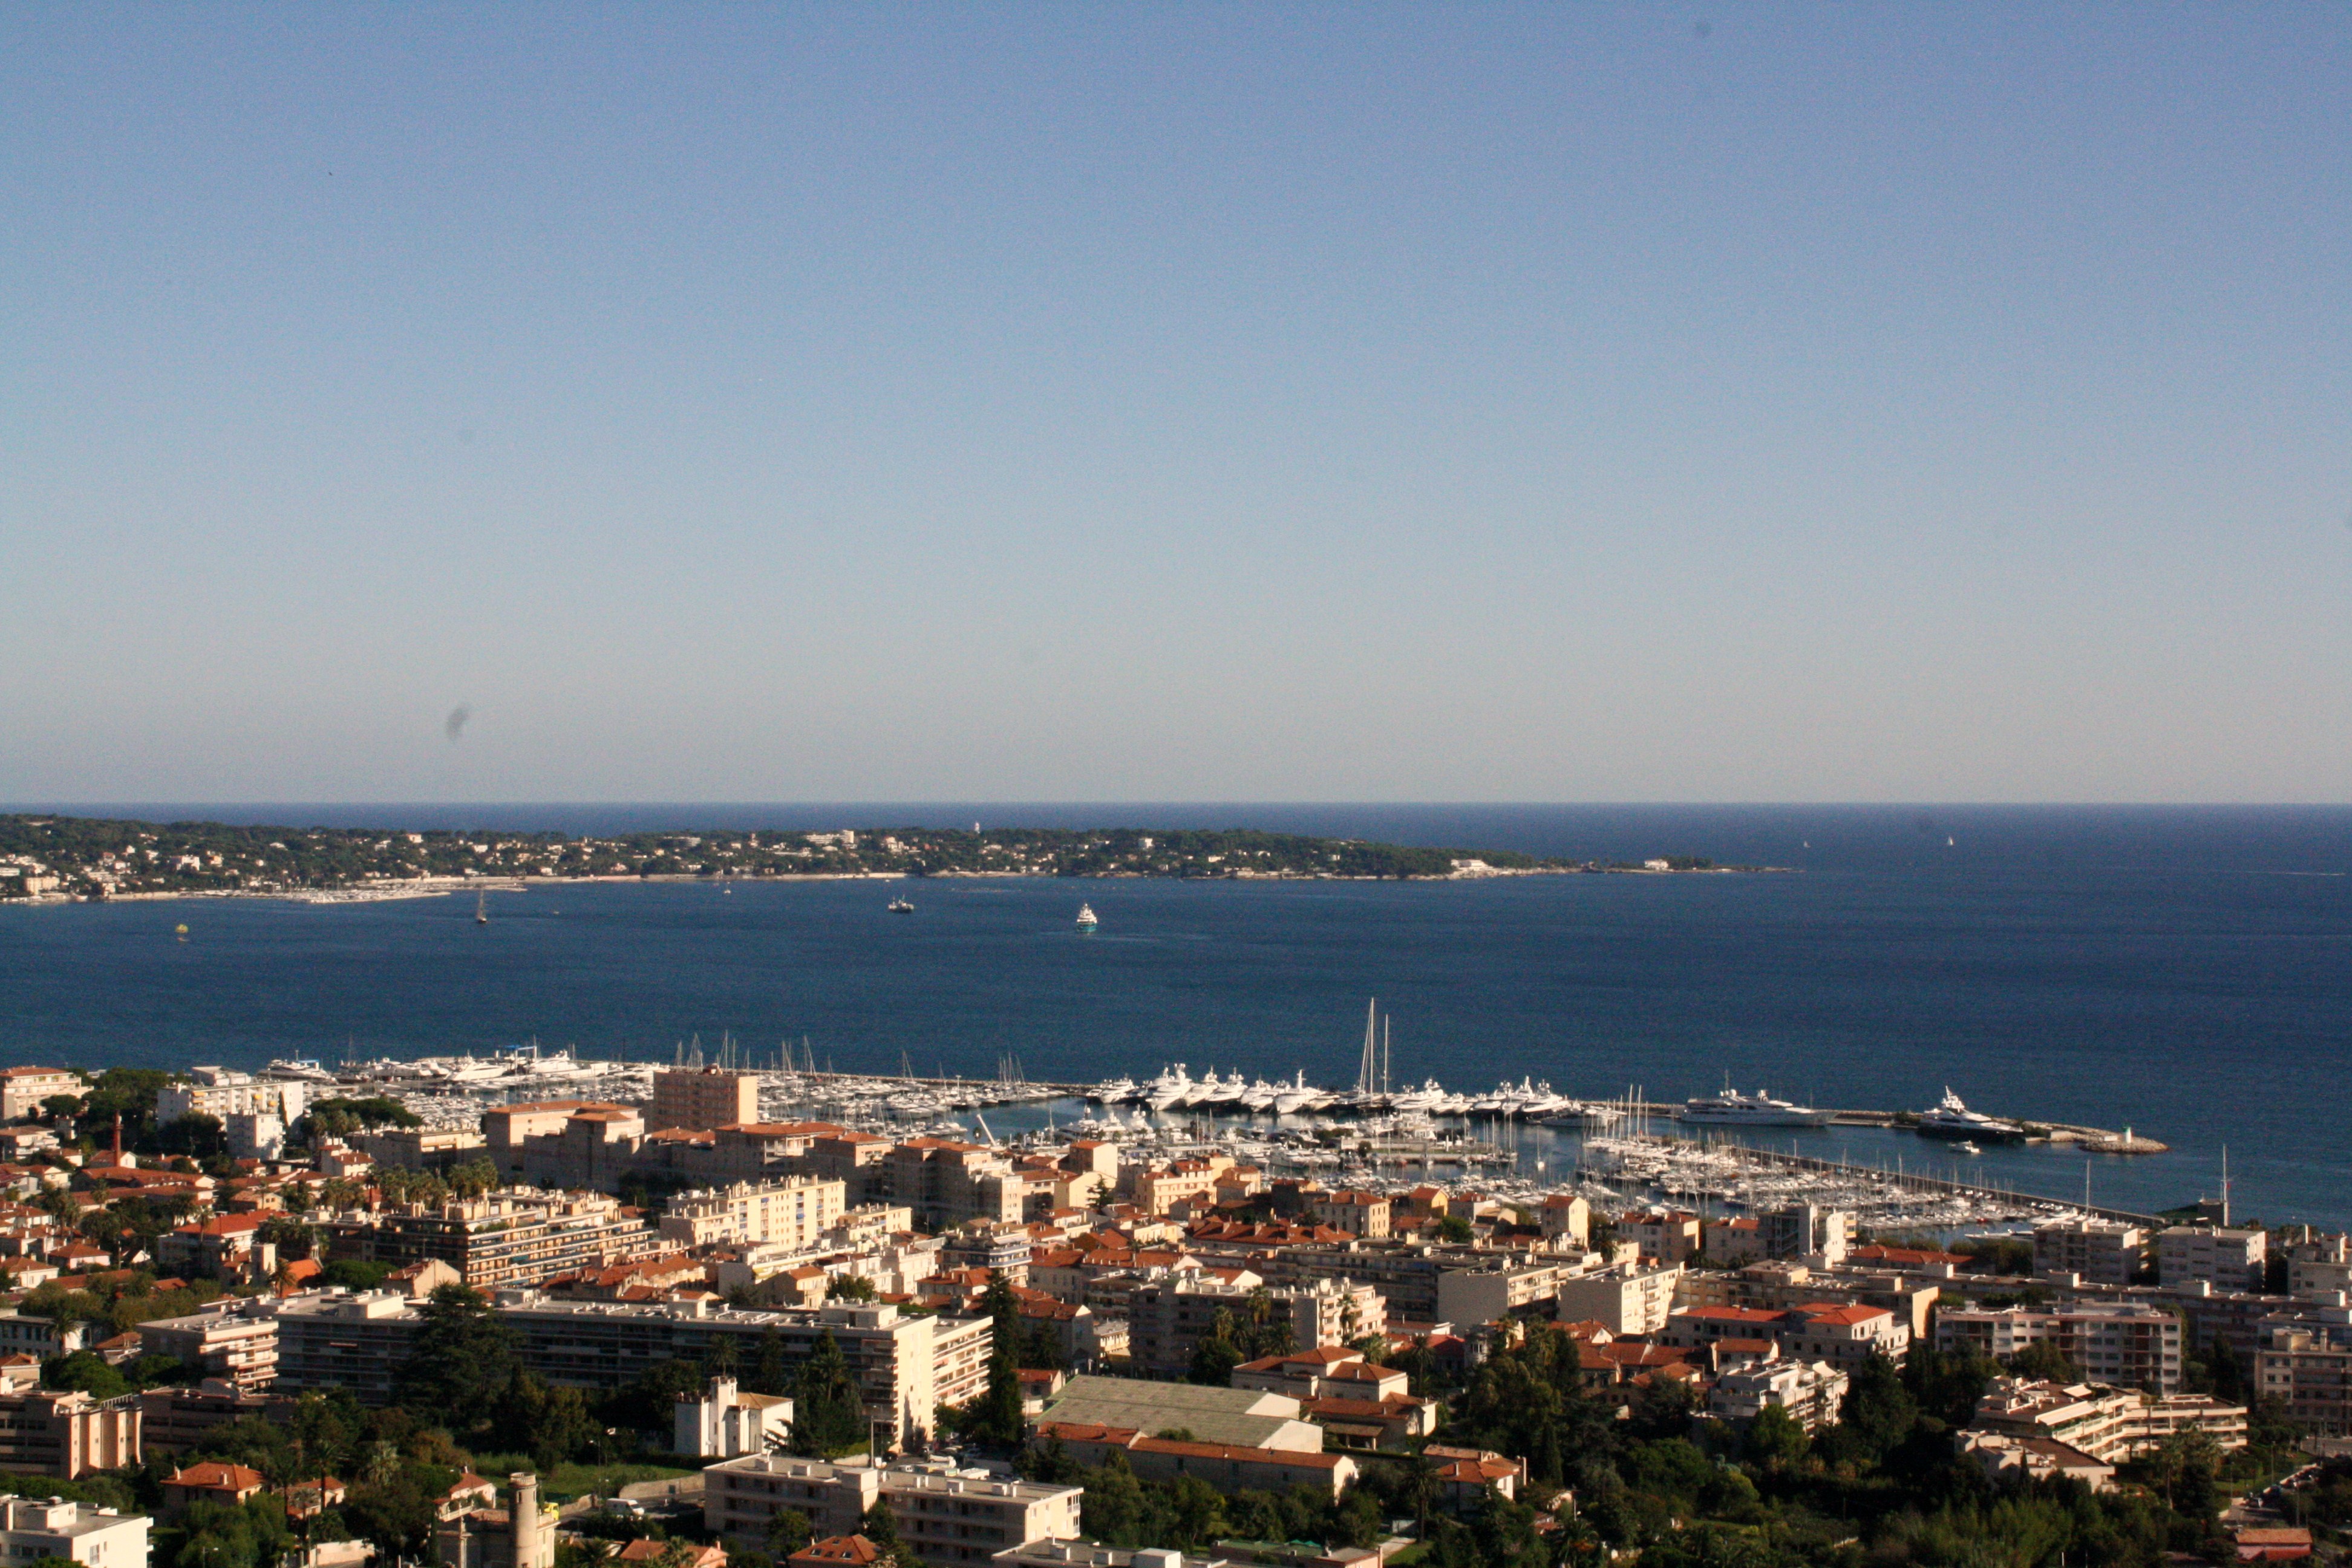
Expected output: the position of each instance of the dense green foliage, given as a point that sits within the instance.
(828, 1417)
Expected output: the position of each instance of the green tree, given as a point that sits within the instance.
(789, 1532)
(89, 1372)
(2043, 1360)
(880, 1526)
(1775, 1440)
(1216, 1353)
(1879, 1411)
(997, 1418)
(828, 1415)
(1115, 1511)
(462, 1356)
(772, 1368)
(550, 1425)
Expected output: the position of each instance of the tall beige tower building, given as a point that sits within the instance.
(699, 1098)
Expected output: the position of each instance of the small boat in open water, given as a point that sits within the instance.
(1087, 921)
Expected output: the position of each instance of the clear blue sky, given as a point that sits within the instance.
(1219, 402)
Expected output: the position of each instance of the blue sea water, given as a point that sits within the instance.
(2183, 971)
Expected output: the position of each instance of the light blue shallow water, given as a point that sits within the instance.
(2181, 972)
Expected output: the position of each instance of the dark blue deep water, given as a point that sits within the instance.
(2186, 972)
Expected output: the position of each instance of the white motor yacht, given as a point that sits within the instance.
(1733, 1109)
(1952, 1118)
(1296, 1097)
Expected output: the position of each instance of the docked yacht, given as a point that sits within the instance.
(1733, 1109)
(301, 1067)
(1173, 1087)
(1952, 1118)
(1296, 1097)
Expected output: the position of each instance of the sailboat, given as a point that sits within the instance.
(481, 908)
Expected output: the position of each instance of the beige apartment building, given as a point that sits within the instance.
(1625, 1299)
(792, 1213)
(22, 1089)
(943, 1517)
(703, 1098)
(2122, 1345)
(2227, 1259)
(2099, 1251)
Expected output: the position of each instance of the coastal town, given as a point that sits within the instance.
(689, 1318)
(58, 859)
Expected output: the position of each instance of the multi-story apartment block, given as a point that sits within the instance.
(33, 1528)
(1358, 1214)
(946, 1182)
(506, 1238)
(1665, 1237)
(1844, 1334)
(1163, 1189)
(942, 1516)
(1168, 1318)
(2123, 1345)
(2305, 1359)
(220, 1094)
(2227, 1259)
(1567, 1221)
(1804, 1230)
(596, 1147)
(1811, 1392)
(220, 1247)
(65, 1432)
(22, 1334)
(998, 1246)
(2108, 1423)
(905, 1367)
(332, 1339)
(793, 1213)
(2319, 1265)
(2098, 1251)
(703, 1098)
(1625, 1299)
(22, 1089)
(506, 1128)
(234, 1344)
(1513, 1283)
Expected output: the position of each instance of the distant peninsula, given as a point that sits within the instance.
(57, 859)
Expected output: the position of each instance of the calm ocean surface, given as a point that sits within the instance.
(2184, 972)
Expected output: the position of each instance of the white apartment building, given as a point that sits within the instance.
(944, 1516)
(2321, 1264)
(2107, 1424)
(22, 1089)
(2123, 1345)
(793, 1213)
(2227, 1259)
(1625, 1299)
(220, 1093)
(2099, 1251)
(2305, 1359)
(1810, 1390)
(34, 1528)
(722, 1422)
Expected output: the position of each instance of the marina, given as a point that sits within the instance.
(1521, 1141)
